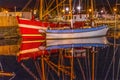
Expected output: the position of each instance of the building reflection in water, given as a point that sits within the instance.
(9, 47)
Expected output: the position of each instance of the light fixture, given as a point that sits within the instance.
(67, 9)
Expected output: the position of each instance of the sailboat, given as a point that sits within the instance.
(36, 29)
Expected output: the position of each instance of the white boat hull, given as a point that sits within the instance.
(87, 34)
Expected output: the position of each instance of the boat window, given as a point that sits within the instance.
(80, 16)
(69, 17)
(74, 17)
(65, 17)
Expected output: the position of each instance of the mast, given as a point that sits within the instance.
(93, 63)
(41, 7)
(92, 10)
(93, 54)
(70, 3)
(70, 13)
(92, 13)
(57, 8)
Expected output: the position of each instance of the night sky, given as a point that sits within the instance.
(21, 3)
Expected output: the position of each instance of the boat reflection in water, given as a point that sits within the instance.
(73, 43)
(33, 49)
(52, 53)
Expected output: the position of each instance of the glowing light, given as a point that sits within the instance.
(102, 11)
(63, 10)
(90, 10)
(115, 9)
(67, 9)
(79, 8)
(6, 11)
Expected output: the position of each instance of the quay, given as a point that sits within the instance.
(8, 27)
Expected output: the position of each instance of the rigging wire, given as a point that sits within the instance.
(110, 64)
(74, 2)
(1, 67)
(89, 72)
(96, 62)
(26, 5)
(28, 70)
(116, 3)
(86, 66)
(106, 56)
(110, 6)
(102, 1)
(36, 4)
(13, 76)
(38, 68)
(118, 70)
(82, 71)
(114, 46)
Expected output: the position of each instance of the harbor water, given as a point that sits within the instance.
(69, 61)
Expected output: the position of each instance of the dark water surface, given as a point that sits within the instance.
(106, 60)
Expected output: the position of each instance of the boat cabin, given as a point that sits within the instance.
(78, 20)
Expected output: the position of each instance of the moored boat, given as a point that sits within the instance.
(30, 28)
(77, 33)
